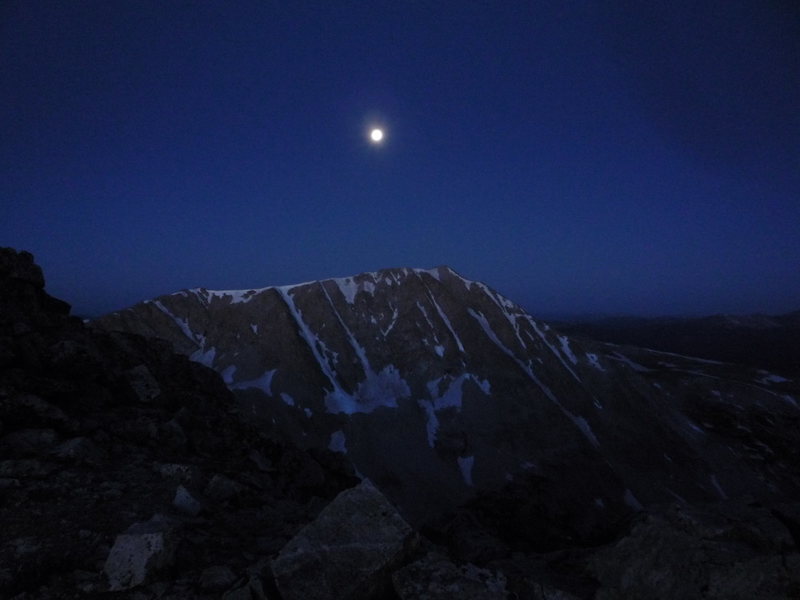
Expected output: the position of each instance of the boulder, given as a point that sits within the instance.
(434, 577)
(29, 442)
(136, 554)
(143, 384)
(222, 488)
(348, 551)
(719, 552)
(251, 589)
(186, 503)
(81, 450)
(217, 578)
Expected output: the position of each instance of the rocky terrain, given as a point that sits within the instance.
(130, 471)
(104, 435)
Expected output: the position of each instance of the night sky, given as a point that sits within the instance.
(580, 157)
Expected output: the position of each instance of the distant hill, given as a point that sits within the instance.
(766, 342)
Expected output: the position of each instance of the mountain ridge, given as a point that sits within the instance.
(424, 375)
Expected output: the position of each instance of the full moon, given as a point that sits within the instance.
(376, 135)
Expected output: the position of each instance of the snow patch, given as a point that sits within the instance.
(447, 323)
(338, 442)
(378, 389)
(694, 427)
(386, 331)
(631, 500)
(431, 420)
(771, 378)
(227, 374)
(566, 349)
(583, 425)
(263, 383)
(579, 421)
(593, 361)
(439, 350)
(254, 328)
(425, 314)
(625, 360)
(348, 288)
(553, 349)
(236, 296)
(451, 398)
(718, 487)
(308, 412)
(183, 324)
(465, 463)
(287, 399)
(311, 339)
(204, 357)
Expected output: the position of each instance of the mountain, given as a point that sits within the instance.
(441, 390)
(129, 470)
(761, 341)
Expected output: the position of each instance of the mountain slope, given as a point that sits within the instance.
(766, 342)
(438, 387)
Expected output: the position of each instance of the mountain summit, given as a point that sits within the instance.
(439, 389)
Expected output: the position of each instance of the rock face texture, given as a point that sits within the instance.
(434, 577)
(348, 551)
(728, 551)
(440, 390)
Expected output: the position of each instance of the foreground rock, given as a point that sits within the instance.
(348, 551)
(436, 578)
(721, 552)
(139, 553)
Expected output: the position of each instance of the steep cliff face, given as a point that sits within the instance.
(437, 387)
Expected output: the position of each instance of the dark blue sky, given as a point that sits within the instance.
(616, 157)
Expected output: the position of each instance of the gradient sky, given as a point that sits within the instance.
(580, 157)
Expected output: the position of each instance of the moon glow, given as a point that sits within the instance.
(376, 135)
